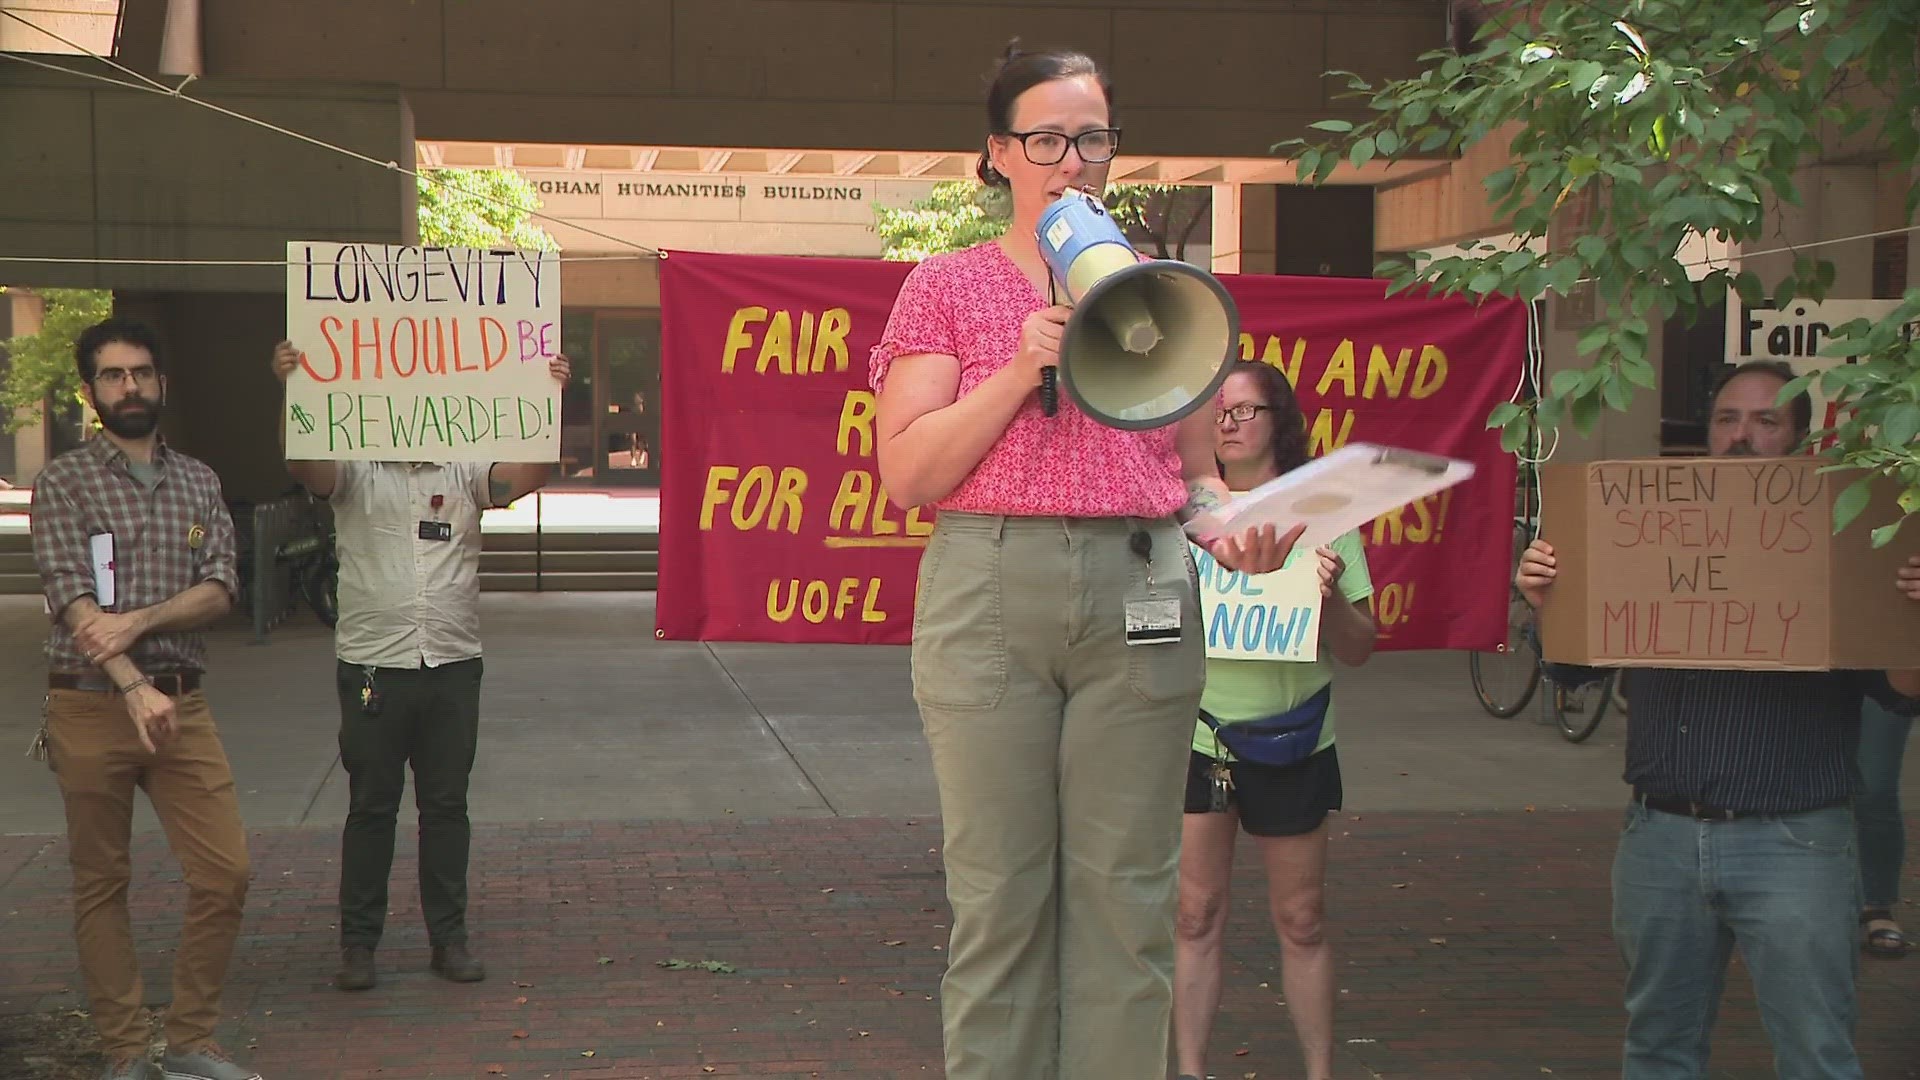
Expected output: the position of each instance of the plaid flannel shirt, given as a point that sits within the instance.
(167, 538)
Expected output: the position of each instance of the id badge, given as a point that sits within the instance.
(1154, 620)
(436, 530)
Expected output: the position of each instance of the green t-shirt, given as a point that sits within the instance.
(1253, 689)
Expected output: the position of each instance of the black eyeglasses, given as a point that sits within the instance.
(1240, 413)
(118, 377)
(1095, 147)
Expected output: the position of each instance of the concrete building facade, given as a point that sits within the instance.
(98, 171)
(626, 112)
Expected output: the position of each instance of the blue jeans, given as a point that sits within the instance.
(1784, 890)
(1883, 839)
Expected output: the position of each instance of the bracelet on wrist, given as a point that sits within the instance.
(135, 685)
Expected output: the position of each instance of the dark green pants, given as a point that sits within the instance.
(428, 718)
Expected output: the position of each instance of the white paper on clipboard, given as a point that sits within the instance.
(1341, 491)
(100, 545)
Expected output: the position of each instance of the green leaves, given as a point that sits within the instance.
(40, 365)
(1851, 501)
(956, 214)
(1783, 20)
(1626, 129)
(1902, 424)
(480, 208)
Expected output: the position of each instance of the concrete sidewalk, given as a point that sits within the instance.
(770, 808)
(1466, 946)
(585, 716)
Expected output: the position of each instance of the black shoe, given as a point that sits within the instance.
(356, 968)
(455, 964)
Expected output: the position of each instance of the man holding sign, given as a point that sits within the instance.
(1263, 749)
(408, 674)
(1741, 830)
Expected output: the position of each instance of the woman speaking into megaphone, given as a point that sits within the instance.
(1057, 653)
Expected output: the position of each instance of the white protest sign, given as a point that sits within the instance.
(1795, 334)
(422, 353)
(1272, 616)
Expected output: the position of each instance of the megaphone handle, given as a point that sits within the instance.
(1049, 390)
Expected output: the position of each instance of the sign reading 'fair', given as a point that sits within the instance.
(1718, 563)
(1261, 616)
(422, 353)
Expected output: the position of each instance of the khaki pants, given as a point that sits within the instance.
(1061, 756)
(98, 760)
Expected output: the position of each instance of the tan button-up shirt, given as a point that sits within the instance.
(405, 601)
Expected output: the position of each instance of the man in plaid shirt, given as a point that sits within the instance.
(135, 549)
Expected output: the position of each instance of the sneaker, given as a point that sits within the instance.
(356, 968)
(132, 1067)
(454, 964)
(206, 1062)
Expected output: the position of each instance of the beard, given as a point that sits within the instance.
(134, 418)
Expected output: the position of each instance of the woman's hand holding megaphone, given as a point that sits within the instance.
(1040, 337)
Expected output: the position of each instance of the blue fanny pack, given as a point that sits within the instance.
(1286, 738)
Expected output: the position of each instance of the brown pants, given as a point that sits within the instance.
(98, 759)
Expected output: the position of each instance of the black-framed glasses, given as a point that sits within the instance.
(1240, 413)
(117, 377)
(1095, 146)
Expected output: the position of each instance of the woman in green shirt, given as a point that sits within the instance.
(1260, 434)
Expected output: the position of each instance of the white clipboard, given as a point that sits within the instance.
(100, 551)
(1341, 491)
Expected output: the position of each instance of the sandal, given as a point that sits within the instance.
(1885, 941)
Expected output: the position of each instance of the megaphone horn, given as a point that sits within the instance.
(1149, 341)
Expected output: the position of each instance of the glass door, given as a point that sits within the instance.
(628, 358)
(578, 412)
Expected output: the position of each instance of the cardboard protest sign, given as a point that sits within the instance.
(1721, 563)
(1272, 616)
(422, 353)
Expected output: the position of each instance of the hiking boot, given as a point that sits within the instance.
(206, 1062)
(356, 968)
(131, 1067)
(455, 964)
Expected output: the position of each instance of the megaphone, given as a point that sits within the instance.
(1148, 342)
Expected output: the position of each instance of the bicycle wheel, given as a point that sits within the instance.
(1505, 681)
(320, 585)
(1579, 709)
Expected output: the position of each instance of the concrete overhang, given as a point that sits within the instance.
(879, 164)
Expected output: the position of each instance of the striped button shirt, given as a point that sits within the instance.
(169, 533)
(1768, 742)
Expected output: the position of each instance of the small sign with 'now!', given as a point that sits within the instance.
(1272, 616)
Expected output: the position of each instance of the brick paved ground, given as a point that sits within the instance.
(1493, 962)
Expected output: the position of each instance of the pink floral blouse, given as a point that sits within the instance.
(970, 304)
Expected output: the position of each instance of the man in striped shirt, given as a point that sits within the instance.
(135, 549)
(1741, 829)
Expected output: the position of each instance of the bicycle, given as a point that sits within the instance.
(1507, 679)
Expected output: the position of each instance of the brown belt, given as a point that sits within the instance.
(170, 685)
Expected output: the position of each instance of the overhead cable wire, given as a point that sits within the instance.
(162, 90)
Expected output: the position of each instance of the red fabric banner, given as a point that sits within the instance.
(774, 526)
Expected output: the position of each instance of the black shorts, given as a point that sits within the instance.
(1274, 800)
